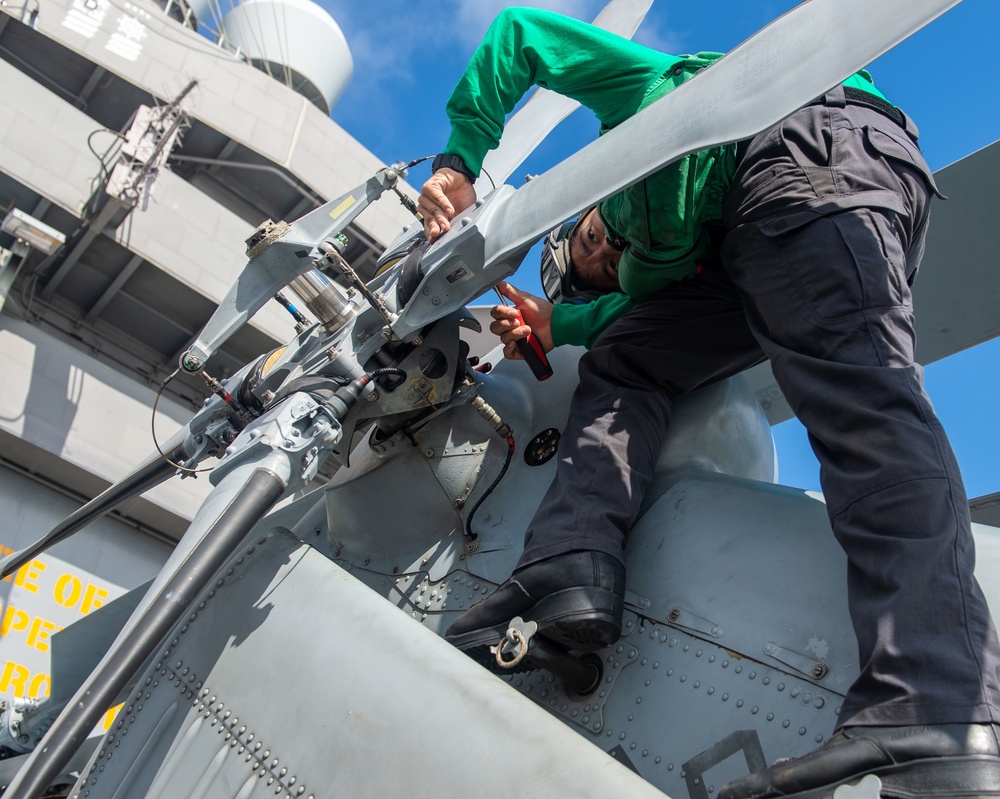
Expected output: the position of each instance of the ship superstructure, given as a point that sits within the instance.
(136, 155)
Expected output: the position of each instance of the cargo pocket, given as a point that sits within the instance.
(901, 151)
(843, 263)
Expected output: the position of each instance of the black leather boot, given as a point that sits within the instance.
(577, 600)
(958, 761)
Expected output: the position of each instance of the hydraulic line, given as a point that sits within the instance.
(301, 321)
(339, 397)
(503, 430)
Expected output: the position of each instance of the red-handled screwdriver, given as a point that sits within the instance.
(530, 348)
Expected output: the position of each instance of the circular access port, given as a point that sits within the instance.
(542, 447)
(589, 677)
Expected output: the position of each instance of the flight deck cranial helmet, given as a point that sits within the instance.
(559, 281)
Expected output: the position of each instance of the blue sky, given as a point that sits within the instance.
(408, 56)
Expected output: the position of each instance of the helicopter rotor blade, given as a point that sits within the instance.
(238, 502)
(264, 462)
(953, 309)
(545, 109)
(743, 93)
(749, 89)
(155, 470)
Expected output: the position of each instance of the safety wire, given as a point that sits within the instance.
(493, 183)
(152, 428)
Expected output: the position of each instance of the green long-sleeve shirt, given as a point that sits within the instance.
(662, 217)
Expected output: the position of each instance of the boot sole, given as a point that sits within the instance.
(584, 619)
(968, 777)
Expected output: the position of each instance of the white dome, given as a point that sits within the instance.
(297, 35)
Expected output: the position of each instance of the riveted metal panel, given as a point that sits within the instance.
(287, 651)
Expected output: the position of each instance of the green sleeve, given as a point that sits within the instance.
(582, 324)
(525, 47)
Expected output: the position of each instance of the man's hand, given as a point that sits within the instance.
(445, 195)
(536, 317)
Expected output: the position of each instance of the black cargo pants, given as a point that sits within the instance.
(825, 223)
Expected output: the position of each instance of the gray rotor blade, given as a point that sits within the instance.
(238, 502)
(985, 510)
(545, 109)
(792, 61)
(789, 63)
(957, 291)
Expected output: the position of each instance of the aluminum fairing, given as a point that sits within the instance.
(292, 679)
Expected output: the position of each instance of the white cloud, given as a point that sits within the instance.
(396, 31)
(383, 43)
(475, 16)
(408, 56)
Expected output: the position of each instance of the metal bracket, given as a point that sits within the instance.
(583, 710)
(689, 621)
(803, 664)
(456, 268)
(280, 253)
(299, 427)
(634, 600)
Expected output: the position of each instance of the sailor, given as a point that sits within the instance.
(823, 219)
(579, 262)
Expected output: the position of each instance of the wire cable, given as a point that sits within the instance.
(152, 428)
(506, 464)
(492, 182)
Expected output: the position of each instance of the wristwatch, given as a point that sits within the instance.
(452, 161)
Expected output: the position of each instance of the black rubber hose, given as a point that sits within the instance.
(247, 506)
(503, 470)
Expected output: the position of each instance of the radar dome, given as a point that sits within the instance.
(296, 42)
